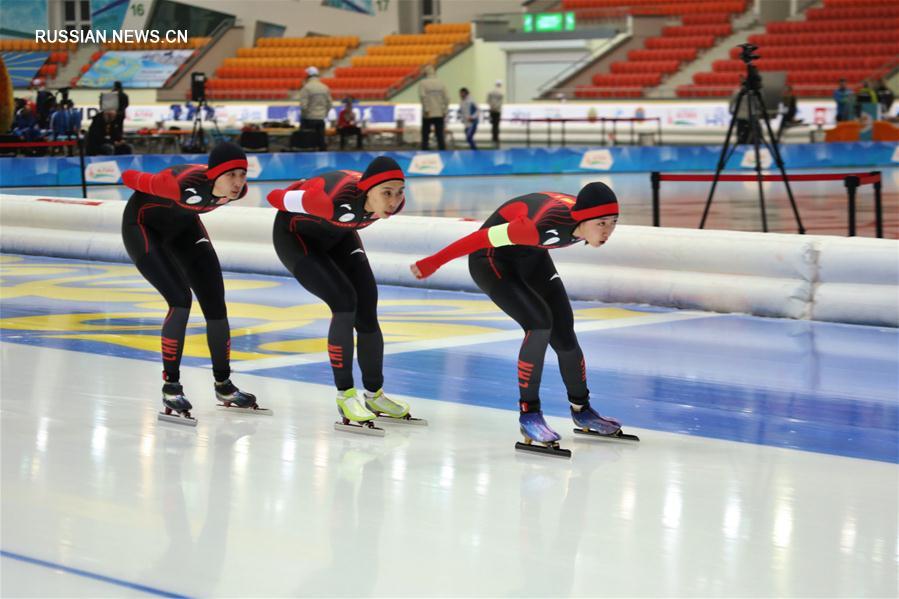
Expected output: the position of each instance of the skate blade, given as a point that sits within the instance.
(359, 429)
(619, 436)
(255, 410)
(176, 419)
(556, 452)
(407, 419)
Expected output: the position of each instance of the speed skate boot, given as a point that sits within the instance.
(232, 398)
(390, 410)
(589, 422)
(538, 436)
(354, 416)
(176, 408)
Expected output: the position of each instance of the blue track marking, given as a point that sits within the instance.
(92, 575)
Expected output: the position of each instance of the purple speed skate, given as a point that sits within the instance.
(589, 422)
(176, 408)
(538, 436)
(232, 398)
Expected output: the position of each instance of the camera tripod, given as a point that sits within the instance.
(197, 141)
(750, 93)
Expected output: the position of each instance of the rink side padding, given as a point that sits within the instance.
(852, 280)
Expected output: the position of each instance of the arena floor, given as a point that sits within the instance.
(766, 466)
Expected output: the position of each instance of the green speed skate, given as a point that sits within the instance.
(390, 410)
(354, 416)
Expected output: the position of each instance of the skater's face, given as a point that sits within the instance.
(596, 231)
(384, 199)
(230, 184)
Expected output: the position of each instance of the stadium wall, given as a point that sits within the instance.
(462, 11)
(860, 156)
(302, 17)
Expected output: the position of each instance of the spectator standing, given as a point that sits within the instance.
(468, 114)
(885, 97)
(434, 107)
(65, 123)
(123, 103)
(844, 99)
(104, 137)
(495, 101)
(315, 104)
(864, 95)
(789, 109)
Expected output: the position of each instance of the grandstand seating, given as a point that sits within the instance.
(275, 67)
(850, 39)
(591, 10)
(386, 67)
(702, 23)
(292, 52)
(32, 46)
(350, 41)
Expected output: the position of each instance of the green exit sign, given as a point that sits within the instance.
(543, 22)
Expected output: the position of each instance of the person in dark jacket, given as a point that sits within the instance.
(885, 97)
(65, 123)
(105, 137)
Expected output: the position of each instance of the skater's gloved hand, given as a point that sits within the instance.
(427, 266)
(195, 188)
(416, 272)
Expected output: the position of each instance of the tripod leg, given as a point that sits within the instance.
(755, 132)
(878, 209)
(722, 158)
(851, 187)
(655, 181)
(774, 148)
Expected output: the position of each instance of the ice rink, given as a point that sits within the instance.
(767, 464)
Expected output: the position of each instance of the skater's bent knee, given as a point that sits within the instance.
(344, 316)
(179, 300)
(537, 323)
(367, 321)
(564, 340)
(541, 335)
(214, 310)
(346, 304)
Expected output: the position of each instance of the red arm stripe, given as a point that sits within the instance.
(161, 184)
(468, 244)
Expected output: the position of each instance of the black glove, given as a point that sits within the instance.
(196, 189)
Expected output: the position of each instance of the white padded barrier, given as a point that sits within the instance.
(858, 280)
(794, 276)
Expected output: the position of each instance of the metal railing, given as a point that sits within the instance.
(607, 133)
(575, 67)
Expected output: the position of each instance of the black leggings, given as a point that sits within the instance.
(333, 267)
(527, 287)
(175, 264)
